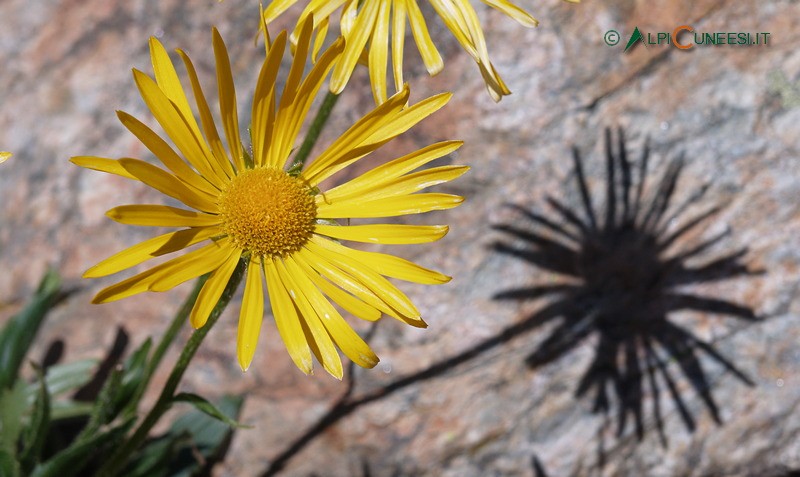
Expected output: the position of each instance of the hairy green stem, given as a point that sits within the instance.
(119, 458)
(177, 323)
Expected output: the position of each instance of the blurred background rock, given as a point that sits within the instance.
(457, 399)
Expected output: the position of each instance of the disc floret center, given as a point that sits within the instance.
(267, 212)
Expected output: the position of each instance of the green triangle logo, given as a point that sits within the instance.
(635, 36)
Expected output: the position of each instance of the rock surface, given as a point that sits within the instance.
(458, 398)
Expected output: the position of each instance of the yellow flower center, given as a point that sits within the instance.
(267, 211)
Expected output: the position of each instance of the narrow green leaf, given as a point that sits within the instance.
(70, 461)
(8, 464)
(19, 332)
(62, 378)
(69, 409)
(209, 438)
(12, 407)
(135, 367)
(36, 432)
(158, 456)
(104, 409)
(206, 407)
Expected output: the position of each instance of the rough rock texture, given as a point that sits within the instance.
(471, 395)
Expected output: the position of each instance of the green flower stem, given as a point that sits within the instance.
(177, 323)
(315, 130)
(120, 456)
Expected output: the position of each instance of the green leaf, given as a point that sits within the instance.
(12, 407)
(104, 409)
(62, 378)
(210, 438)
(135, 367)
(156, 457)
(71, 460)
(69, 409)
(207, 408)
(8, 464)
(36, 432)
(18, 334)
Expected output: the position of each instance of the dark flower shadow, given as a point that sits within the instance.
(626, 269)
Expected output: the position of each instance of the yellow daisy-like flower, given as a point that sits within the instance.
(370, 21)
(277, 219)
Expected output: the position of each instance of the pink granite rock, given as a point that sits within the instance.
(456, 399)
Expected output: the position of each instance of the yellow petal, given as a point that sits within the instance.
(407, 184)
(283, 137)
(317, 337)
(407, 118)
(378, 56)
(345, 338)
(319, 41)
(355, 45)
(305, 96)
(251, 315)
(276, 7)
(189, 142)
(168, 184)
(345, 150)
(128, 287)
(513, 11)
(161, 216)
(192, 265)
(111, 166)
(388, 265)
(391, 170)
(398, 41)
(463, 22)
(376, 283)
(212, 290)
(384, 233)
(166, 154)
(287, 319)
(167, 79)
(264, 101)
(494, 84)
(4, 156)
(346, 281)
(389, 207)
(474, 30)
(176, 271)
(291, 115)
(345, 300)
(207, 119)
(456, 22)
(430, 55)
(227, 100)
(155, 247)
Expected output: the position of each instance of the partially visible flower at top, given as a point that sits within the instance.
(253, 207)
(370, 21)
(4, 156)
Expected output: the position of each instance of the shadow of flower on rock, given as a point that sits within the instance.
(626, 268)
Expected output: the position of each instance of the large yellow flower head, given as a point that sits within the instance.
(254, 207)
(370, 22)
